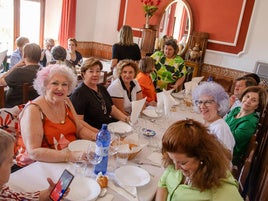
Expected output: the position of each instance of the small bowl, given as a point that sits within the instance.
(148, 132)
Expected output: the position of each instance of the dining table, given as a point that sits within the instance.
(33, 177)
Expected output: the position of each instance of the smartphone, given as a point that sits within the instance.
(61, 186)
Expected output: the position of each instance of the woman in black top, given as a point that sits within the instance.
(91, 100)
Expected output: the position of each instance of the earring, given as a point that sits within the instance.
(201, 162)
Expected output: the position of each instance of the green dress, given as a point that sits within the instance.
(168, 71)
(242, 128)
(172, 178)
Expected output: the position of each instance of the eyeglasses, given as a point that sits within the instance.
(207, 103)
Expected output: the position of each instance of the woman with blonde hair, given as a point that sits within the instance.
(125, 48)
(197, 166)
(125, 88)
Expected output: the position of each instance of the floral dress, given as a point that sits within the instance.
(168, 71)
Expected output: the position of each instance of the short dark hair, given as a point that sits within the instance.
(249, 81)
(173, 43)
(254, 76)
(59, 53)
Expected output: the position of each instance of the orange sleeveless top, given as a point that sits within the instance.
(56, 135)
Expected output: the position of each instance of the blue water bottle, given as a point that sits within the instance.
(102, 146)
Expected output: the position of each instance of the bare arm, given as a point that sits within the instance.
(114, 63)
(161, 194)
(178, 83)
(117, 114)
(33, 133)
(119, 103)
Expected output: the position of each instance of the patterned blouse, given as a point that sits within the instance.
(168, 71)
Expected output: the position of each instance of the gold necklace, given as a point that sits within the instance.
(56, 112)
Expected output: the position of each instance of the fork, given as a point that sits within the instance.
(147, 163)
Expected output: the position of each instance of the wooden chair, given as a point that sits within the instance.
(225, 83)
(2, 96)
(245, 170)
(26, 90)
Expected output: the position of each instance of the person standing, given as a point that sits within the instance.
(125, 48)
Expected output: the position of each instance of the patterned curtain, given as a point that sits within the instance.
(68, 22)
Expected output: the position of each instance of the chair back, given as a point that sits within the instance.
(245, 170)
(2, 96)
(26, 90)
(2, 58)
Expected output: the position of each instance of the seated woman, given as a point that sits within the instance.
(170, 69)
(125, 88)
(91, 100)
(148, 90)
(213, 103)
(7, 142)
(46, 56)
(243, 121)
(17, 76)
(53, 120)
(197, 166)
(73, 56)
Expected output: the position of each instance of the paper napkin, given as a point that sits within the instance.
(136, 109)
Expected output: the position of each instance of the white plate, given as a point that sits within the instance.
(150, 113)
(132, 176)
(79, 145)
(120, 127)
(83, 189)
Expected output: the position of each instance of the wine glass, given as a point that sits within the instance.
(94, 157)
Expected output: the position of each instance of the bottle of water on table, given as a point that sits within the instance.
(102, 147)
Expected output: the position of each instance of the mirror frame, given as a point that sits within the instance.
(191, 24)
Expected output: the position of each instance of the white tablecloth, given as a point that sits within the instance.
(33, 177)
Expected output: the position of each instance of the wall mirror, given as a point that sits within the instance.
(177, 22)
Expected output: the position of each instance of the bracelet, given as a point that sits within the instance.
(67, 157)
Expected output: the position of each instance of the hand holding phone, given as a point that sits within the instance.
(61, 186)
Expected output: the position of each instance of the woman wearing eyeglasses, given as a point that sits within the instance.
(213, 103)
(91, 100)
(197, 166)
(243, 121)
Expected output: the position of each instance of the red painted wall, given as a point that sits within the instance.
(219, 18)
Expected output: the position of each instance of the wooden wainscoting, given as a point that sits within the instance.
(94, 49)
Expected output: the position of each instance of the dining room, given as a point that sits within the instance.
(231, 43)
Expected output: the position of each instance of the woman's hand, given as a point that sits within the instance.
(44, 195)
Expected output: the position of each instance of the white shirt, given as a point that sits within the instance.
(116, 90)
(221, 129)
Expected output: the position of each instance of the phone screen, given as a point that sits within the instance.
(61, 186)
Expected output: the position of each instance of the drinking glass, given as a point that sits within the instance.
(94, 157)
